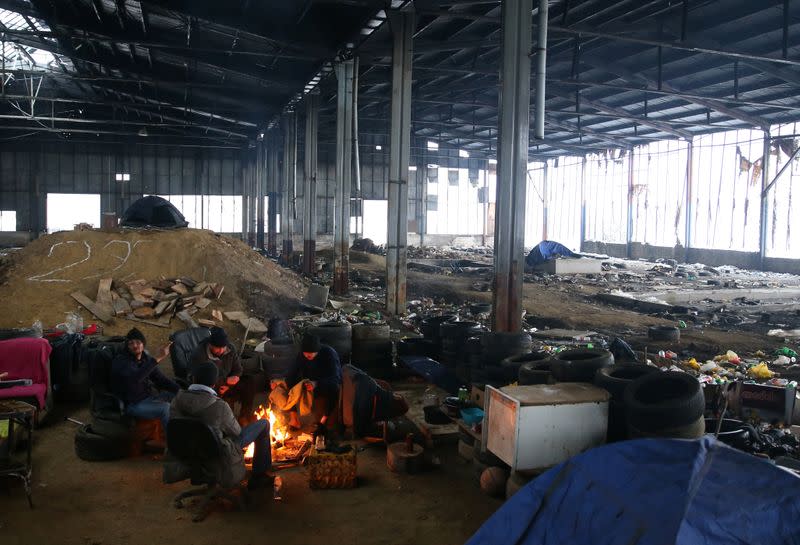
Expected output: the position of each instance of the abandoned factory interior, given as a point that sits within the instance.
(399, 272)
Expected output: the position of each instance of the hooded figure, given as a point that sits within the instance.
(200, 401)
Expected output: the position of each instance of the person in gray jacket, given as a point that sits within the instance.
(201, 401)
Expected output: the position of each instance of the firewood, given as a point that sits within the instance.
(188, 282)
(218, 289)
(144, 312)
(179, 288)
(161, 308)
(217, 315)
(104, 293)
(202, 302)
(206, 323)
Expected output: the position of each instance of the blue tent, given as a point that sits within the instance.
(652, 492)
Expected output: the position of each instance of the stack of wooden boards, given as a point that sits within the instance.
(153, 302)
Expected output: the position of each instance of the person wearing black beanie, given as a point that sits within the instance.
(231, 385)
(318, 365)
(134, 375)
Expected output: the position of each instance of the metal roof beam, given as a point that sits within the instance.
(633, 77)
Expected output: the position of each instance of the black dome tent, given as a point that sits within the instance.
(153, 211)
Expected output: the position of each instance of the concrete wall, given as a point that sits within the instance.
(714, 258)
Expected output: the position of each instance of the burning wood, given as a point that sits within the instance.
(284, 447)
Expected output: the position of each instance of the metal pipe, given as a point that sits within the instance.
(356, 153)
(541, 70)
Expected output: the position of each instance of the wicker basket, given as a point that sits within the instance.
(328, 470)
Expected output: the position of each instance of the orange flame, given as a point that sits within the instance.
(278, 433)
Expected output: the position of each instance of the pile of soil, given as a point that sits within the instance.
(42, 275)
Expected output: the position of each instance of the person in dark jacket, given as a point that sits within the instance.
(230, 385)
(319, 365)
(134, 373)
(200, 401)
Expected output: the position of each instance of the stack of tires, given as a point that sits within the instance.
(278, 358)
(431, 330)
(499, 349)
(337, 335)
(495, 349)
(372, 349)
(534, 368)
(416, 346)
(615, 380)
(454, 336)
(579, 364)
(665, 404)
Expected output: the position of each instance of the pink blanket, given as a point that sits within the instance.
(26, 358)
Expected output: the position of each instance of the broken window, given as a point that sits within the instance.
(66, 210)
(8, 220)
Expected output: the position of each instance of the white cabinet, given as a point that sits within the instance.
(538, 426)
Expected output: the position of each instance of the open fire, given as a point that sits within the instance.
(278, 430)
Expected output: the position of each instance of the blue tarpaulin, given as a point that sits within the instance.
(652, 492)
(547, 250)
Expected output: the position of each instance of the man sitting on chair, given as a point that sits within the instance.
(200, 401)
(133, 375)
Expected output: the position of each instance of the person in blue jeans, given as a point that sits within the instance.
(200, 401)
(135, 374)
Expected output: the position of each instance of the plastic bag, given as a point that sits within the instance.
(73, 323)
(37, 328)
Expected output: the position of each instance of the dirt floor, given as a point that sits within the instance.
(103, 503)
(85, 503)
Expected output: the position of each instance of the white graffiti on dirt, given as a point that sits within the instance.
(44, 277)
(123, 259)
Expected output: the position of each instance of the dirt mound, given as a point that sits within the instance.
(43, 274)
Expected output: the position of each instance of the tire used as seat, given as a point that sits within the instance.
(664, 333)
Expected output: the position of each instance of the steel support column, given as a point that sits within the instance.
(512, 165)
(247, 165)
(260, 178)
(762, 221)
(310, 185)
(289, 186)
(252, 204)
(629, 213)
(402, 25)
(272, 194)
(345, 75)
(689, 205)
(583, 203)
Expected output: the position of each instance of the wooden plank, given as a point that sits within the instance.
(148, 292)
(206, 323)
(254, 324)
(104, 293)
(217, 315)
(202, 302)
(161, 308)
(218, 289)
(236, 315)
(200, 288)
(101, 313)
(188, 282)
(144, 312)
(123, 291)
(156, 323)
(188, 321)
(179, 288)
(158, 295)
(121, 307)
